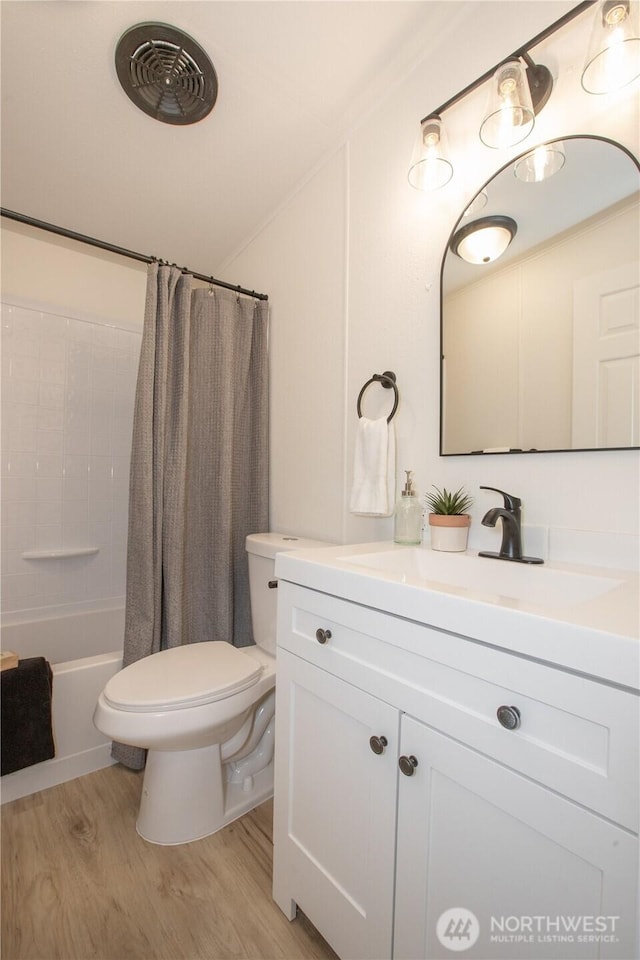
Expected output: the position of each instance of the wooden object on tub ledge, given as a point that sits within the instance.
(8, 659)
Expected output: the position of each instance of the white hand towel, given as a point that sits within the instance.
(374, 469)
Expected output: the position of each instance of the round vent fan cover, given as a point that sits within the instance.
(166, 73)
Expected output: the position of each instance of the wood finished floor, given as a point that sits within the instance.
(78, 883)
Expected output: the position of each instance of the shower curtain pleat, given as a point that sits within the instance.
(199, 469)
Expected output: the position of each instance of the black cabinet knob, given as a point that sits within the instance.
(323, 635)
(509, 717)
(378, 744)
(408, 765)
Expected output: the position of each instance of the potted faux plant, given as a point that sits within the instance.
(448, 519)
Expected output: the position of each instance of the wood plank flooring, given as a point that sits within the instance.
(78, 883)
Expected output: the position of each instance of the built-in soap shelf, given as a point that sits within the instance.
(60, 554)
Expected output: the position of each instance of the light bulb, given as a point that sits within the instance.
(613, 56)
(430, 165)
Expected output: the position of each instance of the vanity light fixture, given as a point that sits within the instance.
(518, 92)
(484, 240)
(430, 165)
(613, 55)
(519, 89)
(541, 163)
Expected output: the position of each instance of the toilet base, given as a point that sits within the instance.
(169, 814)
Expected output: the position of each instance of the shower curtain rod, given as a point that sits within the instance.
(131, 254)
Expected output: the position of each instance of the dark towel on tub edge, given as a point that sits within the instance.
(27, 736)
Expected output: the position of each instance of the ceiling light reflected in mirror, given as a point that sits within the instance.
(541, 163)
(484, 240)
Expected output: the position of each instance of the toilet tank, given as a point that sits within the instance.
(262, 549)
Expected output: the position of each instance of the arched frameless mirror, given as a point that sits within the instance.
(540, 346)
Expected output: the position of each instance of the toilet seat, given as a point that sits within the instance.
(180, 677)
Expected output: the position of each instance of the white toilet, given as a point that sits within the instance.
(205, 712)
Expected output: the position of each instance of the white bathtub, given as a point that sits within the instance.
(84, 650)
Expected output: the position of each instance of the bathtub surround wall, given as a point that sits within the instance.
(68, 381)
(371, 249)
(68, 385)
(102, 300)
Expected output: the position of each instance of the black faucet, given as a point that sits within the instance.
(511, 546)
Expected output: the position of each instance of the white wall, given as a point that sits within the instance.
(299, 262)
(390, 274)
(71, 333)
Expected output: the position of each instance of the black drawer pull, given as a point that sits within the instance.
(509, 717)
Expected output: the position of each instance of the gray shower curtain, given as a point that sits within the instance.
(199, 468)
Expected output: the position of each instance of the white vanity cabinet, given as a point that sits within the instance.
(400, 796)
(339, 820)
(472, 832)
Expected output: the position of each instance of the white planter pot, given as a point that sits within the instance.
(449, 533)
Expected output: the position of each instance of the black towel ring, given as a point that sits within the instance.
(386, 380)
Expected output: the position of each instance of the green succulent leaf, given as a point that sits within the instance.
(444, 502)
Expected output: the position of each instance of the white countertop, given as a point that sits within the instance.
(598, 636)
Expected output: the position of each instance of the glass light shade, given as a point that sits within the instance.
(613, 55)
(483, 241)
(430, 165)
(509, 117)
(541, 163)
(478, 203)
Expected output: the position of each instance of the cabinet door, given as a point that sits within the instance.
(334, 814)
(538, 872)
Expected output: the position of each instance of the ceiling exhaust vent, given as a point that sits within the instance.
(166, 73)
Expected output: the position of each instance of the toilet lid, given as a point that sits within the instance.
(183, 676)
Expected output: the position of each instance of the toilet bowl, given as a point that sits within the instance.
(205, 713)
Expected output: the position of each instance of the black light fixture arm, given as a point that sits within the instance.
(521, 53)
(540, 83)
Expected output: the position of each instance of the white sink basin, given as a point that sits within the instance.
(531, 584)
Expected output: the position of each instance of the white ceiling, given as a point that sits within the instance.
(293, 78)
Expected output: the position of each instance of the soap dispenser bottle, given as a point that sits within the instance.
(408, 515)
